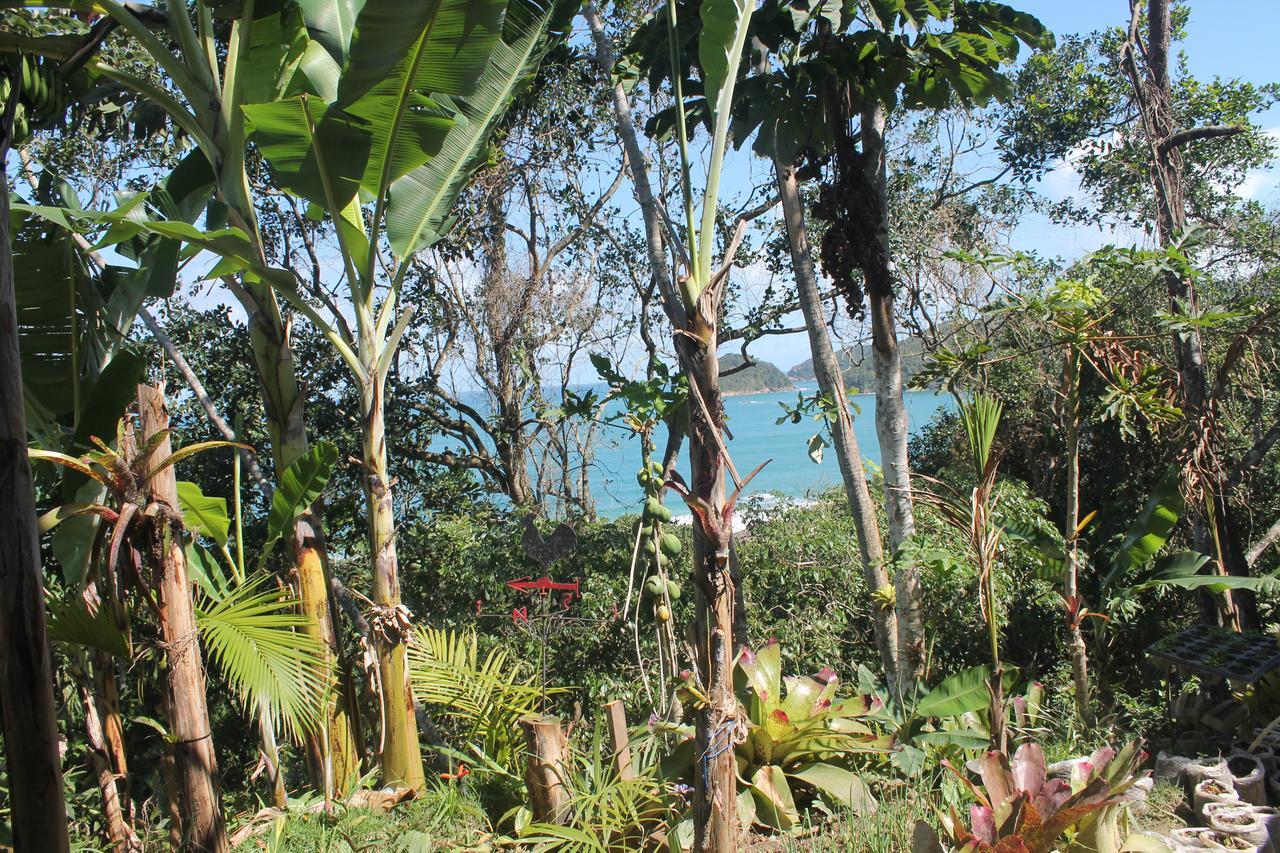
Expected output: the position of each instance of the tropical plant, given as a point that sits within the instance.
(948, 720)
(486, 694)
(805, 737)
(1019, 808)
(693, 304)
(803, 740)
(972, 518)
(607, 812)
(252, 631)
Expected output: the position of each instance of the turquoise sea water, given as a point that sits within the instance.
(756, 437)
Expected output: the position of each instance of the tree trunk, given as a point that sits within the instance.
(196, 764)
(39, 812)
(546, 766)
(119, 834)
(1213, 525)
(891, 410)
(105, 688)
(1071, 564)
(333, 761)
(330, 760)
(844, 439)
(715, 772)
(401, 756)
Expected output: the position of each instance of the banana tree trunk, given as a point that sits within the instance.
(715, 773)
(891, 410)
(39, 812)
(401, 756)
(844, 439)
(331, 753)
(1071, 567)
(332, 757)
(196, 764)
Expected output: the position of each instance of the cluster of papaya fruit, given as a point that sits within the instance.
(661, 546)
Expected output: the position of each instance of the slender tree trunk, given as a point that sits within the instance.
(1071, 564)
(715, 773)
(844, 439)
(195, 762)
(1213, 526)
(39, 812)
(891, 410)
(119, 834)
(401, 756)
(107, 691)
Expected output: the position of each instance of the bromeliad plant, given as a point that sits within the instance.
(798, 740)
(1019, 808)
(803, 737)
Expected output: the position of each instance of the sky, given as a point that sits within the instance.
(1217, 44)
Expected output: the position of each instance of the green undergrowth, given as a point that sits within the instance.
(444, 817)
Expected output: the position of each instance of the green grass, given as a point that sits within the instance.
(444, 817)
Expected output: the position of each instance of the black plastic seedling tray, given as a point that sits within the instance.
(1211, 650)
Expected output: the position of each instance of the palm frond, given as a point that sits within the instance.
(255, 636)
(487, 696)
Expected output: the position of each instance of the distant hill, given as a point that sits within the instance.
(762, 377)
(857, 366)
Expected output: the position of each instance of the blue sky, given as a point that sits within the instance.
(1232, 39)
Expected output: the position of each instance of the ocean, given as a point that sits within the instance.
(756, 437)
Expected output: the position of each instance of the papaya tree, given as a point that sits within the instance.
(700, 283)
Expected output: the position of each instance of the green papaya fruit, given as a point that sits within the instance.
(671, 544)
(673, 590)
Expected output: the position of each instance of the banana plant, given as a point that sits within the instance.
(417, 101)
(376, 114)
(214, 57)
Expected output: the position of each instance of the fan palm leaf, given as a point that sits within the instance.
(254, 633)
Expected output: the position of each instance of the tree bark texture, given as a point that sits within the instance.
(195, 763)
(119, 833)
(717, 723)
(401, 756)
(891, 411)
(39, 812)
(843, 438)
(546, 767)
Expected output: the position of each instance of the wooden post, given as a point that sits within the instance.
(547, 762)
(195, 763)
(619, 739)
